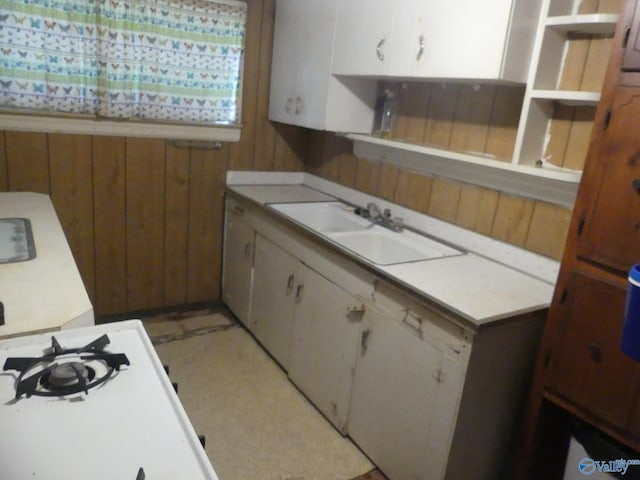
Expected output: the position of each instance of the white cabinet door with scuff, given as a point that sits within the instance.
(363, 30)
(237, 264)
(273, 300)
(303, 90)
(325, 339)
(405, 399)
(430, 39)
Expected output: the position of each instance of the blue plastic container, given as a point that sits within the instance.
(631, 326)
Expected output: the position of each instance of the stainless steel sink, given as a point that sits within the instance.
(338, 223)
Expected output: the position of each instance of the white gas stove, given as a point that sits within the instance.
(75, 405)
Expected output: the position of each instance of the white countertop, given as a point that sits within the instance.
(46, 292)
(473, 286)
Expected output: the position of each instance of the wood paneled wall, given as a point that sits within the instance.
(144, 218)
(533, 225)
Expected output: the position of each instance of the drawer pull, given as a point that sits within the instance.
(595, 351)
(379, 52)
(420, 47)
(299, 291)
(413, 321)
(364, 342)
(290, 284)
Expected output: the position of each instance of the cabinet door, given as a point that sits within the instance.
(631, 59)
(612, 227)
(587, 366)
(287, 31)
(237, 266)
(272, 304)
(326, 332)
(463, 39)
(405, 400)
(363, 30)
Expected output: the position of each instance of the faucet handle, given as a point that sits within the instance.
(398, 223)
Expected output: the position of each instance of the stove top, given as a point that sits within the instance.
(93, 403)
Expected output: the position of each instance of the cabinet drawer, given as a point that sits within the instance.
(425, 322)
(587, 366)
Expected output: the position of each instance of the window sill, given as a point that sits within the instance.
(35, 123)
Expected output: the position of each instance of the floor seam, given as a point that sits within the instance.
(174, 337)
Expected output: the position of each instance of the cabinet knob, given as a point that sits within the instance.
(595, 351)
(636, 185)
(420, 47)
(379, 52)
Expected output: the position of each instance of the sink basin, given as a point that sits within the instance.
(324, 217)
(384, 247)
(337, 222)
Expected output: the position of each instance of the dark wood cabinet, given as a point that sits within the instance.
(631, 59)
(587, 367)
(611, 227)
(581, 373)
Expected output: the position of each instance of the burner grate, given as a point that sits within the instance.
(65, 371)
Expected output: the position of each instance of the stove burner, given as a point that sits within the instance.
(75, 373)
(66, 375)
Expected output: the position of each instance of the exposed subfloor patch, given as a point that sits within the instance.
(257, 424)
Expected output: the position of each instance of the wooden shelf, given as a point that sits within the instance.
(595, 24)
(568, 97)
(547, 183)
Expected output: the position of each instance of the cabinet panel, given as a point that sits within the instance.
(363, 28)
(588, 367)
(405, 399)
(237, 266)
(612, 226)
(303, 91)
(272, 303)
(631, 59)
(324, 344)
(463, 39)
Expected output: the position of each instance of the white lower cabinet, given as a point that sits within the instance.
(324, 345)
(424, 395)
(237, 267)
(405, 399)
(274, 291)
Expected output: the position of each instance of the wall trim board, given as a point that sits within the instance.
(40, 123)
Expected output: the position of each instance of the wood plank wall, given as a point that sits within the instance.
(533, 225)
(481, 119)
(144, 218)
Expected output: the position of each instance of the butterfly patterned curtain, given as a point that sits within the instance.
(168, 60)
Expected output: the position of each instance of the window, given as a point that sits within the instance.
(168, 61)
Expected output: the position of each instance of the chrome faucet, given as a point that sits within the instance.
(384, 218)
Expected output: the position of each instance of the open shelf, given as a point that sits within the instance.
(595, 24)
(568, 97)
(547, 183)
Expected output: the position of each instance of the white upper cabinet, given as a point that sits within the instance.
(303, 91)
(462, 39)
(363, 33)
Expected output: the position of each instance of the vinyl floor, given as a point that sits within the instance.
(257, 425)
